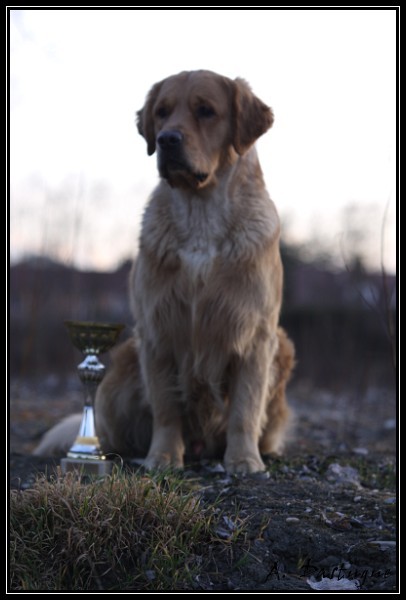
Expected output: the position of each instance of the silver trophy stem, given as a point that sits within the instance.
(86, 445)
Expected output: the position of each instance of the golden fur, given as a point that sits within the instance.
(206, 370)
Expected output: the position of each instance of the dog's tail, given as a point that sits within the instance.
(59, 439)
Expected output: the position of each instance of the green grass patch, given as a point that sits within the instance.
(122, 532)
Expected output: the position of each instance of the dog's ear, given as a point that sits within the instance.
(145, 118)
(251, 117)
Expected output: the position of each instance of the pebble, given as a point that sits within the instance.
(360, 451)
(342, 474)
(151, 575)
(330, 561)
(292, 520)
(261, 475)
(217, 468)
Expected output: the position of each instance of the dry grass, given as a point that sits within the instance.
(118, 533)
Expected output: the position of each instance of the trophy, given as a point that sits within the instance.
(91, 339)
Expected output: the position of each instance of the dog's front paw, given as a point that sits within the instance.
(243, 465)
(163, 460)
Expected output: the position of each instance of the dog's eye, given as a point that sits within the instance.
(205, 112)
(162, 112)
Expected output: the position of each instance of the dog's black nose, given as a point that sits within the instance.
(169, 139)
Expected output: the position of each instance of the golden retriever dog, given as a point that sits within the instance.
(205, 372)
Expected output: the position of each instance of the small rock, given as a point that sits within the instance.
(330, 561)
(217, 468)
(338, 474)
(383, 544)
(360, 451)
(292, 520)
(333, 583)
(260, 475)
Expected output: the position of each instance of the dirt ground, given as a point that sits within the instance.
(324, 516)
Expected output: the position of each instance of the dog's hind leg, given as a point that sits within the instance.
(278, 413)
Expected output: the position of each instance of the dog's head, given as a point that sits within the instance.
(200, 122)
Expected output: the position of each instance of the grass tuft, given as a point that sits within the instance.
(122, 532)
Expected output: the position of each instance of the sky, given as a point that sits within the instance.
(79, 171)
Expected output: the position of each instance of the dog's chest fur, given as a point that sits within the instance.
(201, 229)
(202, 265)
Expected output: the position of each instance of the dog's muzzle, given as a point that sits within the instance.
(172, 162)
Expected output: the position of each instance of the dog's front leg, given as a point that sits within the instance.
(248, 392)
(167, 446)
